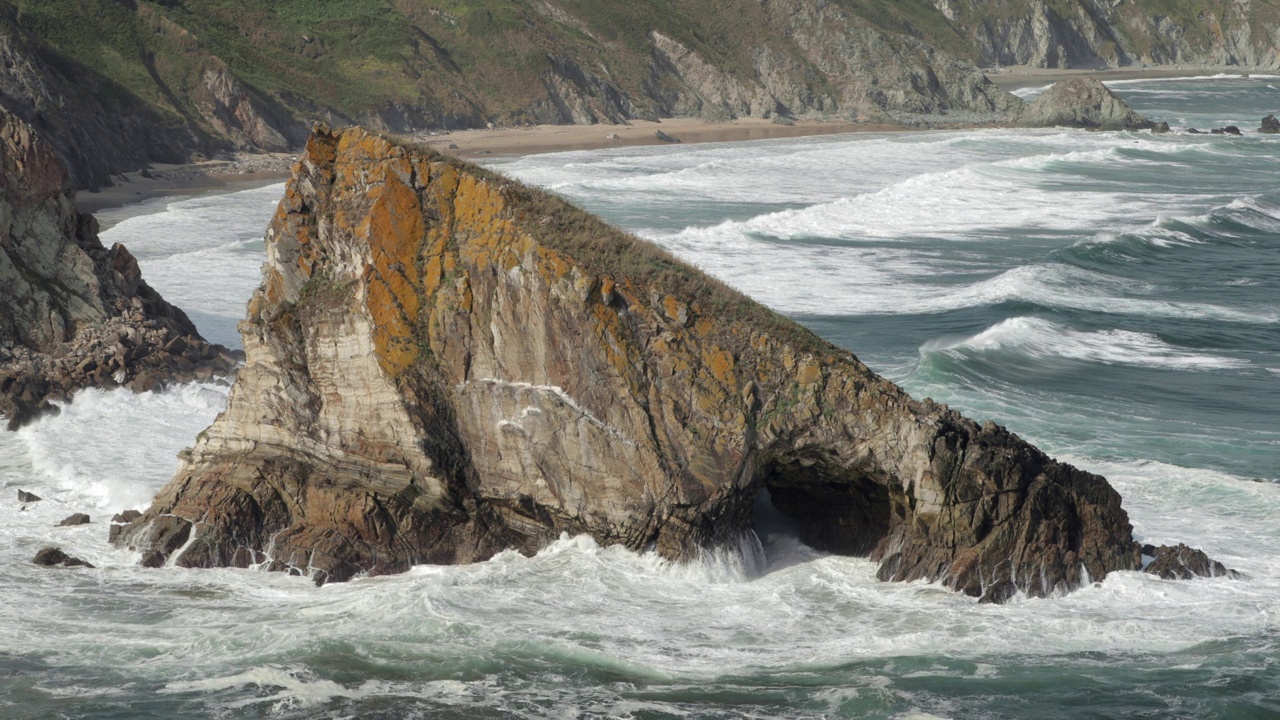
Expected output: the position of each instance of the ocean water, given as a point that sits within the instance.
(1114, 298)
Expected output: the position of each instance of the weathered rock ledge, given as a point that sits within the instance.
(74, 314)
(442, 363)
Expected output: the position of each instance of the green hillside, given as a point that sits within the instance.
(248, 74)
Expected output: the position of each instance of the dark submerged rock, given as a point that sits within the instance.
(26, 497)
(666, 138)
(1181, 562)
(1161, 128)
(52, 556)
(76, 519)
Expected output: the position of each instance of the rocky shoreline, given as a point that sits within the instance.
(73, 313)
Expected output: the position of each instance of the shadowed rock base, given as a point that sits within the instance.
(442, 363)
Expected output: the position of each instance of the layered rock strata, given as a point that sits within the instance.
(442, 363)
(73, 313)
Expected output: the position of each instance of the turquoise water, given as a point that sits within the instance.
(1114, 298)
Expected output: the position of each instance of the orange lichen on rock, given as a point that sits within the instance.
(393, 228)
(720, 363)
(810, 373)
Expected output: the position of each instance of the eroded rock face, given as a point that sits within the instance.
(74, 314)
(442, 363)
(1082, 102)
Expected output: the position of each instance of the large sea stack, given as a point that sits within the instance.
(443, 363)
(74, 314)
(1082, 102)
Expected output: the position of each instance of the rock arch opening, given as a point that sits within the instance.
(829, 507)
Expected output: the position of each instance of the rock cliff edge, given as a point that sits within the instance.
(73, 313)
(443, 363)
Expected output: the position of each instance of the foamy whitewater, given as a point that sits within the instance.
(1114, 298)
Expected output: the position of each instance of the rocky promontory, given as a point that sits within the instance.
(443, 363)
(73, 313)
(1082, 102)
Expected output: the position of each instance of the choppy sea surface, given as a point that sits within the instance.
(1114, 298)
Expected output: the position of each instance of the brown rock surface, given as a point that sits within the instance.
(75, 519)
(442, 363)
(1179, 562)
(74, 314)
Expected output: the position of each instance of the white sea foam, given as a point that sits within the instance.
(73, 460)
(1039, 338)
(1192, 78)
(203, 254)
(1029, 93)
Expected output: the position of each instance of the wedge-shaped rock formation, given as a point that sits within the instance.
(443, 363)
(74, 314)
(1083, 103)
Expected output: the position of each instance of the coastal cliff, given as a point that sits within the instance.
(1094, 34)
(117, 86)
(73, 313)
(443, 363)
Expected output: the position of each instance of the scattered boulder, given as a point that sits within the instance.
(1180, 562)
(666, 138)
(1232, 130)
(76, 519)
(52, 556)
(26, 497)
(1270, 125)
(453, 146)
(1082, 103)
(1193, 131)
(1161, 128)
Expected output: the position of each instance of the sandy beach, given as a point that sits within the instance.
(163, 180)
(559, 138)
(247, 170)
(1019, 77)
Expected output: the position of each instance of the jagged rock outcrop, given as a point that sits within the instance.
(1082, 103)
(74, 314)
(442, 363)
(1180, 562)
(1270, 125)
